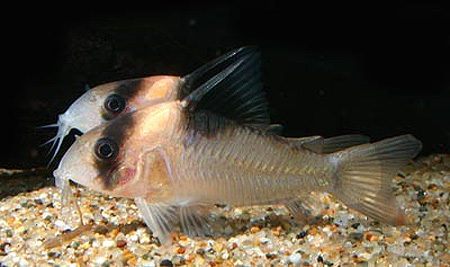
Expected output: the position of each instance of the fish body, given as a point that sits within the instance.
(174, 160)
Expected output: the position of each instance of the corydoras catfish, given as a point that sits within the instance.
(176, 160)
(111, 100)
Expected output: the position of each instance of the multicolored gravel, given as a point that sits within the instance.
(36, 231)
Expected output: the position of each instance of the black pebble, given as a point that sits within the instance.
(420, 194)
(166, 263)
(3, 246)
(270, 256)
(319, 258)
(53, 254)
(302, 234)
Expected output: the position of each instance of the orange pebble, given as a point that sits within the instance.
(312, 231)
(181, 250)
(10, 220)
(114, 232)
(132, 261)
(254, 229)
(190, 257)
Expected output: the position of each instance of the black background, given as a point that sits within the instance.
(328, 70)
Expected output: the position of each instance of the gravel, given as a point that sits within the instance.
(248, 236)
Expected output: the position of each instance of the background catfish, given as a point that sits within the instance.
(111, 100)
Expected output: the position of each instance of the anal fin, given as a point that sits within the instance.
(302, 208)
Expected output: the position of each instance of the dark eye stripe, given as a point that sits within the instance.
(116, 103)
(107, 148)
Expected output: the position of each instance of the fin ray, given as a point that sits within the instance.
(333, 144)
(232, 89)
(192, 220)
(159, 217)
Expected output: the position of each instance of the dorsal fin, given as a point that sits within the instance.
(229, 86)
(199, 76)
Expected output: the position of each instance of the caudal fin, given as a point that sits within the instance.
(364, 176)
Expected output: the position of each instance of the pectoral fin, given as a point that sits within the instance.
(194, 220)
(159, 217)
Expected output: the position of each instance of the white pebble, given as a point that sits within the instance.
(108, 243)
(295, 257)
(148, 264)
(341, 219)
(144, 239)
(238, 212)
(99, 260)
(225, 255)
(61, 225)
(23, 263)
(327, 231)
(46, 215)
(134, 238)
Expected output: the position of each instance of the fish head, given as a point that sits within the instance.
(108, 101)
(113, 158)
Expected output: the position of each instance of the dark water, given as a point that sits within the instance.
(381, 71)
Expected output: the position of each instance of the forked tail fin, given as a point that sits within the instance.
(364, 176)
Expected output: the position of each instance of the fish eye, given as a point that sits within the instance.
(115, 103)
(106, 149)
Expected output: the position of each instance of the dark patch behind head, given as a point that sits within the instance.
(205, 123)
(116, 131)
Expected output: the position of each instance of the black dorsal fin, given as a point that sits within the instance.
(229, 86)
